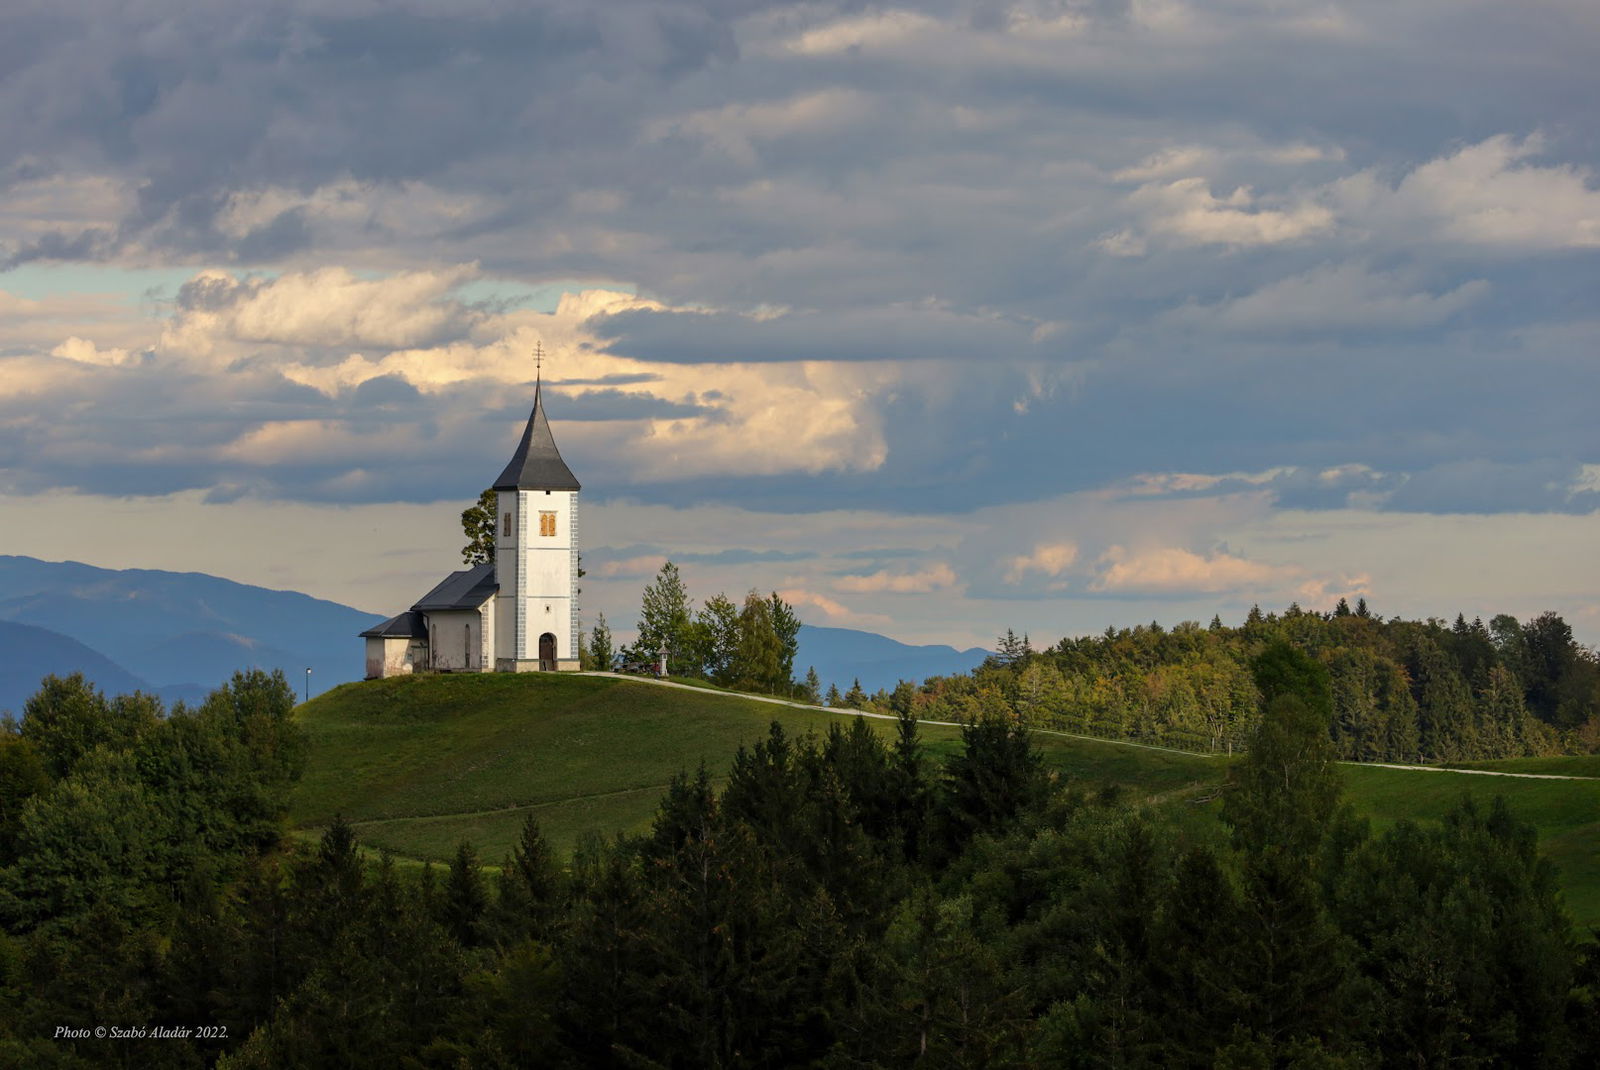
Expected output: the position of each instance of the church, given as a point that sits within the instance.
(518, 613)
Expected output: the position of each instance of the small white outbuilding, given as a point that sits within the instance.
(518, 613)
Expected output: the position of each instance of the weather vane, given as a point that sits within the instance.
(538, 360)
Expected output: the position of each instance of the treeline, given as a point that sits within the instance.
(1402, 691)
(122, 827)
(841, 902)
(749, 646)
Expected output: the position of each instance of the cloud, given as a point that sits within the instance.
(824, 256)
(86, 352)
(1484, 486)
(1484, 195)
(1334, 297)
(921, 331)
(330, 307)
(1173, 570)
(1186, 212)
(629, 567)
(834, 612)
(880, 30)
(936, 577)
(287, 409)
(1047, 559)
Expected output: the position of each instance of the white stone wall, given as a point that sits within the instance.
(537, 576)
(455, 640)
(389, 657)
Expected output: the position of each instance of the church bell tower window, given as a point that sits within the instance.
(547, 523)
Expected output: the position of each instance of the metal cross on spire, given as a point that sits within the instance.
(538, 361)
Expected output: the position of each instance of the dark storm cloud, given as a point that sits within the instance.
(1479, 486)
(1130, 246)
(874, 334)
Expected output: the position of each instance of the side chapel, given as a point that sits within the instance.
(518, 613)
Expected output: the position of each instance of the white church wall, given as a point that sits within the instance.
(389, 657)
(455, 639)
(537, 559)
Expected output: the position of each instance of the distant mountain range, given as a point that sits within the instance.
(180, 634)
(842, 655)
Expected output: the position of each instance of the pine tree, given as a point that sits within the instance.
(1012, 648)
(787, 624)
(998, 773)
(833, 696)
(600, 648)
(855, 698)
(664, 621)
(465, 898)
(530, 890)
(812, 688)
(1444, 704)
(1202, 970)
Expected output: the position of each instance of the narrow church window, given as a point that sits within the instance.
(505, 527)
(547, 523)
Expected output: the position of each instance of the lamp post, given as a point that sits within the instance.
(308, 683)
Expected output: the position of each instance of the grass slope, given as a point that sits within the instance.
(421, 763)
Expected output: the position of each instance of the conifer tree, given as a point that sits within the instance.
(664, 621)
(600, 646)
(529, 888)
(465, 897)
(811, 690)
(787, 624)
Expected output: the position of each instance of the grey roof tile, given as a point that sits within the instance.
(407, 625)
(537, 464)
(467, 589)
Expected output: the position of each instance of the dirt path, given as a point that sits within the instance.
(1052, 732)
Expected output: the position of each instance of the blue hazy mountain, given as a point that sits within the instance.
(182, 633)
(841, 655)
(28, 654)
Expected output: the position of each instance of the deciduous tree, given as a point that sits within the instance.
(478, 525)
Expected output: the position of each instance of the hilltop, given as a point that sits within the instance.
(421, 763)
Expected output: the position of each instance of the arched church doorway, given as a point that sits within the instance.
(547, 652)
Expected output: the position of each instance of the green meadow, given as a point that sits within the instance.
(421, 763)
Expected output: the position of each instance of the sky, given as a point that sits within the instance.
(938, 318)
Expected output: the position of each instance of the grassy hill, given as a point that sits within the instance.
(421, 763)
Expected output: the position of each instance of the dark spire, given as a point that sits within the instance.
(537, 464)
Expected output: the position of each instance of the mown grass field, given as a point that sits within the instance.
(421, 763)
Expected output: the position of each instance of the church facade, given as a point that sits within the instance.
(518, 613)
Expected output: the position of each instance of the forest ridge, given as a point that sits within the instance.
(1399, 690)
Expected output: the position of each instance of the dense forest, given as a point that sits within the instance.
(1402, 691)
(838, 902)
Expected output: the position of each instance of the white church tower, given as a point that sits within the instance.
(536, 555)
